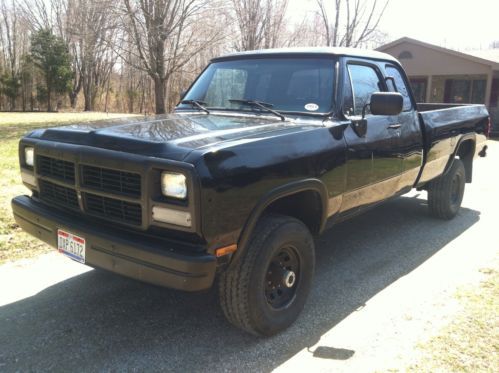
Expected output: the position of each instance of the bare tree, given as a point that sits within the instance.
(350, 23)
(260, 23)
(90, 29)
(165, 38)
(9, 40)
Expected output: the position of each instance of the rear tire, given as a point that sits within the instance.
(445, 194)
(264, 291)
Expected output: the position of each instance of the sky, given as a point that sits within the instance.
(457, 24)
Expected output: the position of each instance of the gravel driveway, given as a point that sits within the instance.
(384, 281)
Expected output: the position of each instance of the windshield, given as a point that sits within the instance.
(289, 85)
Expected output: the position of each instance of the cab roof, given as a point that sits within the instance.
(308, 51)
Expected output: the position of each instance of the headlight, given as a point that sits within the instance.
(29, 156)
(173, 185)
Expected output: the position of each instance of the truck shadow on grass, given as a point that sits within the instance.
(100, 321)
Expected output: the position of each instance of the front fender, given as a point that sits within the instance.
(285, 190)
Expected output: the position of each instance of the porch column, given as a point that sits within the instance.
(488, 88)
(428, 89)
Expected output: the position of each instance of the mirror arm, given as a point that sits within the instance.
(364, 110)
(360, 125)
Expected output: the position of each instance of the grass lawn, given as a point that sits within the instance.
(14, 244)
(470, 343)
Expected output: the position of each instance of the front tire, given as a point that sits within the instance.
(264, 291)
(445, 194)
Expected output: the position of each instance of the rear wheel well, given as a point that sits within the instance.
(305, 206)
(465, 153)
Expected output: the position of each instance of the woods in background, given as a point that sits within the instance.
(139, 55)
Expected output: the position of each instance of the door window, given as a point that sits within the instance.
(365, 81)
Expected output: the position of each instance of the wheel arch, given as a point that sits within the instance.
(465, 150)
(278, 200)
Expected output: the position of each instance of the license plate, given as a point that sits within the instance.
(71, 245)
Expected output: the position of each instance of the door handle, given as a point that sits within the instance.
(394, 126)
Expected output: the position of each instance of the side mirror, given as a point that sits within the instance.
(386, 103)
(382, 103)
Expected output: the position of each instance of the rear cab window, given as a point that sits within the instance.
(400, 85)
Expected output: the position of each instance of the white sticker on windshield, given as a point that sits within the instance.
(311, 107)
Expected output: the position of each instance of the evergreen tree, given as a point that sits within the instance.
(49, 53)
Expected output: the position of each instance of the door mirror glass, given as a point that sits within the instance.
(386, 103)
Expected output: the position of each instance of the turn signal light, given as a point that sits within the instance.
(225, 250)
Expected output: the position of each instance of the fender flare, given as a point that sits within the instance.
(465, 137)
(285, 190)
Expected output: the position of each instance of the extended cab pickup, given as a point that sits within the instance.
(265, 150)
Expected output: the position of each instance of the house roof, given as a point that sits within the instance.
(490, 58)
(487, 54)
(312, 51)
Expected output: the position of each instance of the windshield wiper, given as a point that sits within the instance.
(196, 104)
(262, 105)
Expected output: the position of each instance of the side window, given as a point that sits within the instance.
(365, 81)
(226, 84)
(400, 86)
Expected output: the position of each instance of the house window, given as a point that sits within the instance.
(478, 91)
(419, 86)
(462, 91)
(405, 55)
(457, 91)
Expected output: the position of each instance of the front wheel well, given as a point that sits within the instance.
(305, 206)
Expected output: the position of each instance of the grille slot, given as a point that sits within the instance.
(58, 195)
(111, 181)
(56, 168)
(114, 209)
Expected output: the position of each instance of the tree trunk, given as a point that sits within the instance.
(87, 95)
(73, 96)
(159, 95)
(107, 95)
(49, 104)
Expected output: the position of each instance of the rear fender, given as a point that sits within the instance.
(468, 162)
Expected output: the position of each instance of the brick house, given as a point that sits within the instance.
(443, 75)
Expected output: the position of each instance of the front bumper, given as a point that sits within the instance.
(148, 259)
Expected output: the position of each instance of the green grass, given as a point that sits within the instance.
(15, 244)
(470, 343)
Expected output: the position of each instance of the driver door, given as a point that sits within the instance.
(373, 163)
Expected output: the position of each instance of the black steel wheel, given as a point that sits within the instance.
(264, 290)
(282, 277)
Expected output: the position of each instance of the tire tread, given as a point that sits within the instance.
(438, 192)
(235, 281)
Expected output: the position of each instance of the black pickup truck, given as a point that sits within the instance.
(265, 150)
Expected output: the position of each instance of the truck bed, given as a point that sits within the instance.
(444, 126)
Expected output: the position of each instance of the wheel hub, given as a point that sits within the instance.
(282, 277)
(289, 279)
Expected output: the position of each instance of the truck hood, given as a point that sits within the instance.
(170, 136)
